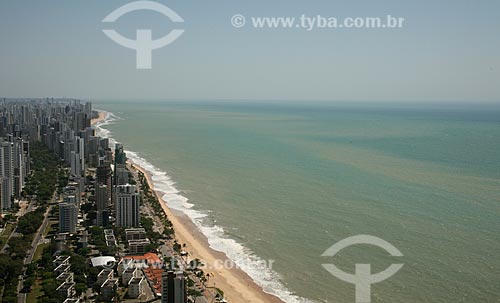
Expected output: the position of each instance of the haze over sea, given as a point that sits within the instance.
(288, 180)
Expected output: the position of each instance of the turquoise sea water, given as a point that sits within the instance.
(289, 180)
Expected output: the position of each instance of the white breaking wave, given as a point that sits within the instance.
(269, 280)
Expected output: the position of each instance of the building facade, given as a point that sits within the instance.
(173, 287)
(68, 217)
(127, 203)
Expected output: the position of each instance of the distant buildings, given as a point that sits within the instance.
(65, 128)
(61, 126)
(127, 206)
(14, 152)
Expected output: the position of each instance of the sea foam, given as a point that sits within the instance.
(251, 264)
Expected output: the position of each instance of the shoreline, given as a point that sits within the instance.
(237, 285)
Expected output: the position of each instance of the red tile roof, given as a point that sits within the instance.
(154, 270)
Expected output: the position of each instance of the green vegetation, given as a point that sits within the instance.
(38, 253)
(150, 197)
(46, 284)
(50, 227)
(6, 233)
(11, 264)
(97, 238)
(80, 268)
(47, 173)
(32, 297)
(154, 236)
(29, 223)
(41, 184)
(191, 291)
(10, 269)
(8, 228)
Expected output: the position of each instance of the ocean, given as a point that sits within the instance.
(284, 181)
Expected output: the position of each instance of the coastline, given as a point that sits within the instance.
(100, 118)
(234, 282)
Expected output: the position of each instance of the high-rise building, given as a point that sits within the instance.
(173, 287)
(101, 197)
(77, 159)
(73, 189)
(103, 177)
(7, 173)
(120, 176)
(68, 217)
(120, 156)
(127, 206)
(19, 169)
(5, 197)
(102, 204)
(88, 107)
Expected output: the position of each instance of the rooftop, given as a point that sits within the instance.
(105, 272)
(110, 282)
(136, 280)
(103, 261)
(154, 270)
(65, 286)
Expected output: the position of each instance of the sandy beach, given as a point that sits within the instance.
(235, 283)
(101, 117)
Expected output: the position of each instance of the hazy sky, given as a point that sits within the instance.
(447, 51)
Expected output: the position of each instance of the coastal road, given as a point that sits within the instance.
(166, 248)
(38, 236)
(28, 209)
